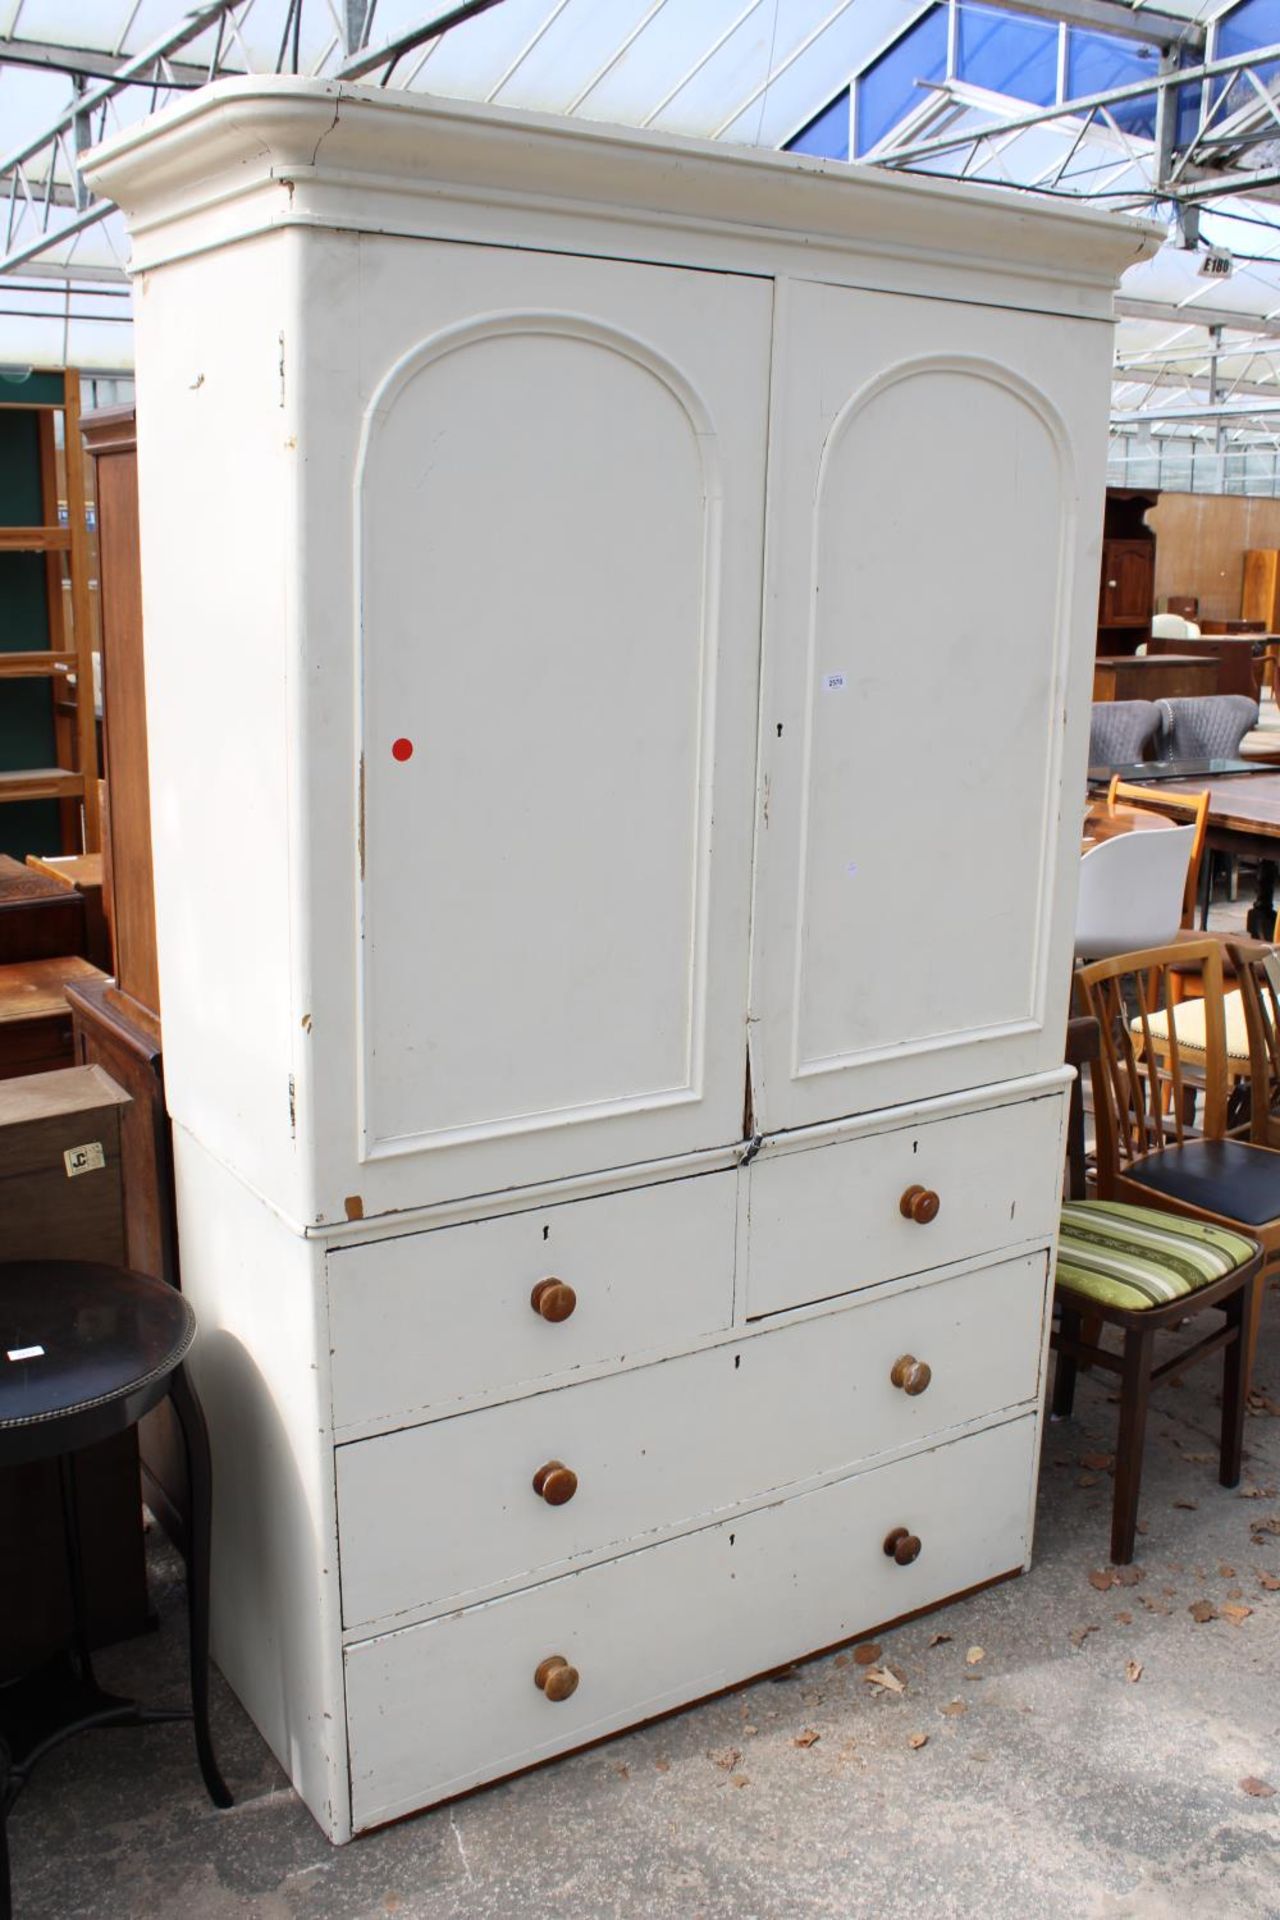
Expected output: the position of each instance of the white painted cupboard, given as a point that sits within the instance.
(618, 619)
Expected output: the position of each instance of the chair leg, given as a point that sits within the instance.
(1135, 1391)
(1064, 1374)
(195, 1436)
(1235, 1384)
(1091, 1334)
(1252, 1318)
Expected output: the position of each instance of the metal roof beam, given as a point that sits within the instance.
(93, 64)
(1114, 16)
(1071, 109)
(1197, 316)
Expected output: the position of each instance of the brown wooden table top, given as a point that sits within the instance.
(71, 869)
(1103, 822)
(1242, 802)
(32, 989)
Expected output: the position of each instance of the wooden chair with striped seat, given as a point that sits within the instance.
(1148, 1153)
(1144, 1272)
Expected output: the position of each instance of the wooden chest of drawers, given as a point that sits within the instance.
(618, 1125)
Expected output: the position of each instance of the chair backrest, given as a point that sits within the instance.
(1207, 729)
(1191, 807)
(1257, 970)
(1139, 1088)
(1119, 730)
(1173, 626)
(1131, 892)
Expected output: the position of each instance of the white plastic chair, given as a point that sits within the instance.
(1131, 889)
(1172, 626)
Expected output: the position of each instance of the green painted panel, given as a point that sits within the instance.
(26, 708)
(45, 387)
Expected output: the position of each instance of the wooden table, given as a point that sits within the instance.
(1104, 822)
(81, 873)
(35, 1020)
(1147, 676)
(1238, 669)
(1244, 820)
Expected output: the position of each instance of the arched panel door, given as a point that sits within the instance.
(924, 577)
(558, 689)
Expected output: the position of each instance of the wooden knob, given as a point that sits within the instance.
(912, 1375)
(556, 1678)
(555, 1483)
(902, 1546)
(553, 1299)
(919, 1204)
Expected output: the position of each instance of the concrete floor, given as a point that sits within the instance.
(1051, 1782)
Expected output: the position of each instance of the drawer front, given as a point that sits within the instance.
(432, 1514)
(428, 1318)
(437, 1708)
(828, 1220)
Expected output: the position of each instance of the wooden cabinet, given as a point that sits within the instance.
(554, 1083)
(1260, 594)
(1126, 597)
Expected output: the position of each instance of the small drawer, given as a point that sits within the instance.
(828, 1220)
(438, 1708)
(434, 1514)
(424, 1319)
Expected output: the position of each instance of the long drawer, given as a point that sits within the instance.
(437, 1708)
(432, 1514)
(828, 1220)
(427, 1318)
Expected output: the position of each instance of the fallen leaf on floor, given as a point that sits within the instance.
(886, 1678)
(1235, 1593)
(1270, 1525)
(739, 1780)
(1228, 1573)
(1236, 1615)
(938, 1639)
(1189, 1505)
(867, 1655)
(955, 1706)
(726, 1757)
(662, 1766)
(1152, 1605)
(1133, 1669)
(1258, 1788)
(1102, 1580)
(749, 1729)
(1202, 1610)
(1271, 1581)
(806, 1739)
(1128, 1576)
(1097, 1462)
(1087, 1480)
(974, 1655)
(1142, 1527)
(1201, 1459)
(1080, 1634)
(917, 1740)
(622, 1770)
(841, 1660)
(1123, 1619)
(1252, 1493)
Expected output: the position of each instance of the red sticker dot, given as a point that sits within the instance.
(402, 749)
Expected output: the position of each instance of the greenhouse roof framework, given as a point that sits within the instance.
(1194, 138)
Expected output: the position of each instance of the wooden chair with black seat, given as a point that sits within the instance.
(1148, 1152)
(1257, 995)
(1144, 1270)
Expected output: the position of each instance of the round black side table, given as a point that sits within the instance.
(85, 1351)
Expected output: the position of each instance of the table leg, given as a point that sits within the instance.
(1262, 914)
(195, 1435)
(6, 1908)
(75, 1567)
